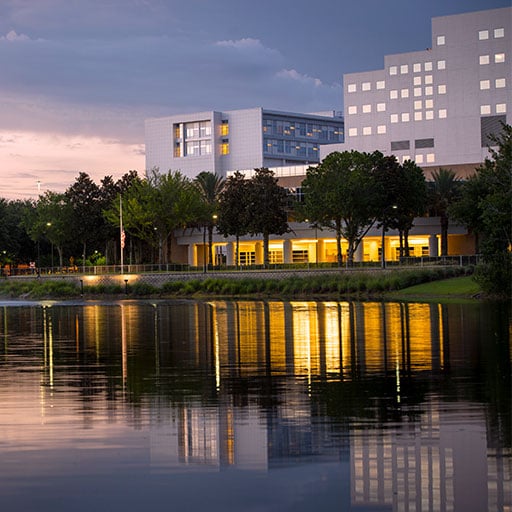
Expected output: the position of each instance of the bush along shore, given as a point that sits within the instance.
(361, 285)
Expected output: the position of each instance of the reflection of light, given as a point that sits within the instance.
(124, 351)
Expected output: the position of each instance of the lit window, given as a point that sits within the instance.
(429, 103)
(417, 80)
(394, 118)
(367, 130)
(431, 158)
(441, 64)
(404, 93)
(352, 110)
(429, 90)
(393, 94)
(224, 148)
(352, 88)
(428, 79)
(499, 32)
(405, 117)
(483, 59)
(381, 107)
(419, 159)
(416, 67)
(500, 83)
(404, 69)
(485, 109)
(429, 114)
(441, 89)
(428, 66)
(352, 132)
(381, 84)
(441, 40)
(485, 84)
(366, 86)
(367, 109)
(442, 113)
(483, 34)
(418, 116)
(224, 129)
(393, 70)
(418, 105)
(405, 158)
(417, 91)
(499, 58)
(501, 108)
(381, 128)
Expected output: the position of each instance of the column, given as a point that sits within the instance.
(258, 253)
(433, 246)
(192, 255)
(359, 254)
(230, 254)
(320, 250)
(287, 251)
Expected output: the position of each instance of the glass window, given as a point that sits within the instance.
(501, 108)
(428, 66)
(366, 86)
(381, 84)
(428, 79)
(381, 128)
(404, 69)
(405, 117)
(499, 32)
(224, 148)
(441, 64)
(419, 159)
(394, 118)
(393, 70)
(483, 34)
(393, 94)
(431, 158)
(499, 58)
(351, 88)
(405, 158)
(192, 130)
(381, 107)
(417, 91)
(485, 84)
(417, 80)
(429, 103)
(441, 89)
(441, 40)
(429, 90)
(352, 110)
(485, 109)
(429, 114)
(404, 93)
(205, 147)
(367, 108)
(418, 105)
(500, 83)
(483, 59)
(417, 67)
(418, 116)
(352, 132)
(442, 113)
(367, 130)
(192, 148)
(224, 129)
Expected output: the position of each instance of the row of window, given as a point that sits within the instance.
(486, 59)
(499, 83)
(484, 34)
(499, 108)
(291, 148)
(381, 107)
(295, 129)
(417, 68)
(198, 148)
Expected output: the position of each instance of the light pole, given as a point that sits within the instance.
(383, 241)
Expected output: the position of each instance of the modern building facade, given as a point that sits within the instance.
(220, 142)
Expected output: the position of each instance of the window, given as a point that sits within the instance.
(499, 32)
(428, 79)
(429, 103)
(441, 89)
(352, 110)
(483, 59)
(393, 70)
(405, 117)
(405, 158)
(485, 110)
(441, 64)
(393, 94)
(224, 128)
(417, 80)
(351, 88)
(485, 84)
(394, 118)
(224, 148)
(418, 105)
(404, 69)
(381, 107)
(366, 86)
(400, 145)
(417, 91)
(429, 114)
(428, 66)
(429, 91)
(441, 40)
(381, 128)
(418, 116)
(424, 143)
(416, 67)
(404, 93)
(367, 108)
(443, 114)
(499, 58)
(367, 130)
(501, 108)
(381, 84)
(483, 34)
(431, 158)
(352, 132)
(489, 126)
(500, 83)
(419, 159)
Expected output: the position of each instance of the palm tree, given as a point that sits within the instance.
(210, 186)
(444, 190)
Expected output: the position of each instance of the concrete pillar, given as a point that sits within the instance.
(320, 251)
(359, 254)
(192, 255)
(230, 254)
(287, 251)
(258, 253)
(433, 246)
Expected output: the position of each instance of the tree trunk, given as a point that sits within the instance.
(237, 247)
(338, 248)
(401, 238)
(61, 259)
(265, 249)
(210, 246)
(350, 253)
(406, 237)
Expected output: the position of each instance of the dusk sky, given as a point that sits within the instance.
(79, 77)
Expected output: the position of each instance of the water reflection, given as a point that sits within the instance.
(367, 406)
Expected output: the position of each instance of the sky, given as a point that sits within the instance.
(79, 77)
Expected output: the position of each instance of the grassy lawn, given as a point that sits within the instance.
(453, 287)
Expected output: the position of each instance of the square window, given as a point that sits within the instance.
(441, 40)
(417, 80)
(500, 83)
(367, 130)
(483, 34)
(499, 32)
(418, 116)
(404, 93)
(483, 60)
(405, 158)
(485, 109)
(352, 110)
(441, 64)
(431, 158)
(394, 118)
(381, 107)
(428, 66)
(404, 69)
(429, 90)
(429, 114)
(417, 91)
(442, 113)
(381, 128)
(393, 94)
(429, 103)
(418, 105)
(366, 86)
(419, 159)
(428, 79)
(501, 108)
(405, 117)
(499, 58)
(393, 70)
(367, 109)
(441, 89)
(381, 84)
(417, 67)
(351, 88)
(352, 132)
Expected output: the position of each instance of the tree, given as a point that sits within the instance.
(443, 191)
(341, 194)
(234, 215)
(268, 207)
(210, 186)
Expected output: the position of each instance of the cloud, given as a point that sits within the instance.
(12, 37)
(294, 75)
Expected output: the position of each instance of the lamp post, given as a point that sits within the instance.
(383, 241)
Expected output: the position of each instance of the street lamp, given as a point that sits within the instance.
(49, 225)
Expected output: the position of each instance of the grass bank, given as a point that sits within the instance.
(361, 284)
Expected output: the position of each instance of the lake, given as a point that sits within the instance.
(255, 406)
